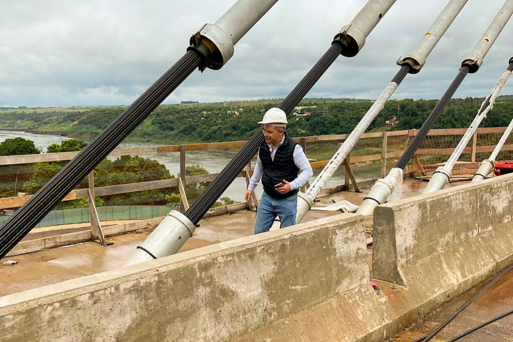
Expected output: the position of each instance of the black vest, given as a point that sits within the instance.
(282, 168)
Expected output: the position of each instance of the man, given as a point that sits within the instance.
(279, 160)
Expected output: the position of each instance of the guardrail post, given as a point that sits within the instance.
(474, 147)
(90, 179)
(347, 162)
(96, 226)
(302, 142)
(253, 195)
(349, 175)
(183, 198)
(384, 156)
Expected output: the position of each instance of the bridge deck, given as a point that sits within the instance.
(59, 264)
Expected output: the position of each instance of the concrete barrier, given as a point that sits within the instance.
(427, 250)
(215, 293)
(452, 234)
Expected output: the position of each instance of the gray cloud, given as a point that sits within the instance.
(62, 53)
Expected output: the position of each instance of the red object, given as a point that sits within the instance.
(503, 168)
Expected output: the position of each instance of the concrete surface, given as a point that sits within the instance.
(54, 258)
(213, 293)
(304, 283)
(462, 230)
(494, 302)
(77, 256)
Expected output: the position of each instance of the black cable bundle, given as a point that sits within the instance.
(442, 326)
(430, 121)
(248, 151)
(29, 215)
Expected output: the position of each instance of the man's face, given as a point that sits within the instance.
(272, 135)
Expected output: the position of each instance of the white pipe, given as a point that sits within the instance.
(487, 165)
(438, 182)
(484, 170)
(242, 16)
(501, 143)
(362, 25)
(230, 28)
(350, 142)
(382, 190)
(166, 239)
(474, 60)
(417, 57)
(304, 204)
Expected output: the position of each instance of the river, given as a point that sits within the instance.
(212, 161)
(41, 141)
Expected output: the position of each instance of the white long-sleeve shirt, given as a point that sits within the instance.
(305, 170)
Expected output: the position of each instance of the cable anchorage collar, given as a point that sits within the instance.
(214, 44)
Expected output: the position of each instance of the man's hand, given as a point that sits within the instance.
(285, 188)
(248, 195)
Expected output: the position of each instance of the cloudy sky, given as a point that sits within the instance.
(64, 53)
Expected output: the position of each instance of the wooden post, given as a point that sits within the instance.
(302, 142)
(350, 175)
(411, 133)
(419, 165)
(474, 147)
(90, 179)
(384, 156)
(183, 198)
(347, 162)
(248, 177)
(96, 226)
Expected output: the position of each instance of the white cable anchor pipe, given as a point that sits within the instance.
(379, 193)
(443, 174)
(488, 164)
(415, 60)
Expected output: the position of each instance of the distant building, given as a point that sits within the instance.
(304, 107)
(189, 102)
(392, 122)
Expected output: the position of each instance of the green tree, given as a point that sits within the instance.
(123, 170)
(18, 146)
(42, 172)
(12, 177)
(67, 146)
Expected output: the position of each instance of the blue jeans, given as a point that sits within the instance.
(269, 208)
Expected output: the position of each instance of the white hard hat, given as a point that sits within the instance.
(274, 116)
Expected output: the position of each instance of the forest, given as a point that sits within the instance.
(228, 121)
